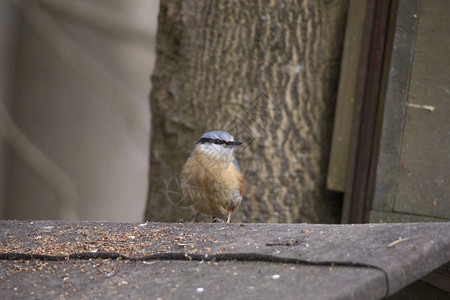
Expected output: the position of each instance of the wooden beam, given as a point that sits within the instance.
(343, 117)
(356, 198)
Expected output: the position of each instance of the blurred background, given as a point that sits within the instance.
(74, 111)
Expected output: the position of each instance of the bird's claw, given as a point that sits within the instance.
(217, 220)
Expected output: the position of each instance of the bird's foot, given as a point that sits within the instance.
(194, 218)
(217, 220)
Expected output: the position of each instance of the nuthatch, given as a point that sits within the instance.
(211, 178)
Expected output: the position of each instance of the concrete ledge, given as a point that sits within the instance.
(79, 259)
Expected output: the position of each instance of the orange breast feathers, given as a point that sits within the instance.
(241, 183)
(212, 186)
(209, 175)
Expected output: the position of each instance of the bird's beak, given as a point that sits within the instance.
(234, 143)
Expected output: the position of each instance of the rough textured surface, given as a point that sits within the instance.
(267, 72)
(174, 260)
(181, 279)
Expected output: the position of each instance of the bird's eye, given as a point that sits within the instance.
(216, 141)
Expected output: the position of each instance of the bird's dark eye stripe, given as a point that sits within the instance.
(214, 141)
(205, 140)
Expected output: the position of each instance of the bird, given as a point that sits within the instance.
(211, 178)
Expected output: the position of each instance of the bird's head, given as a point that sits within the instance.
(217, 144)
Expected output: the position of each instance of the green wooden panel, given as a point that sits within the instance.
(413, 173)
(424, 174)
(394, 107)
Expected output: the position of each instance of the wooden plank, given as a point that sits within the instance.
(422, 180)
(438, 280)
(337, 168)
(380, 110)
(367, 95)
(395, 104)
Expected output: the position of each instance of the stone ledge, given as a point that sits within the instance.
(166, 260)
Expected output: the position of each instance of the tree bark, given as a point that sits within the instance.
(265, 71)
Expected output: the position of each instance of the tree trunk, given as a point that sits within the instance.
(267, 73)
